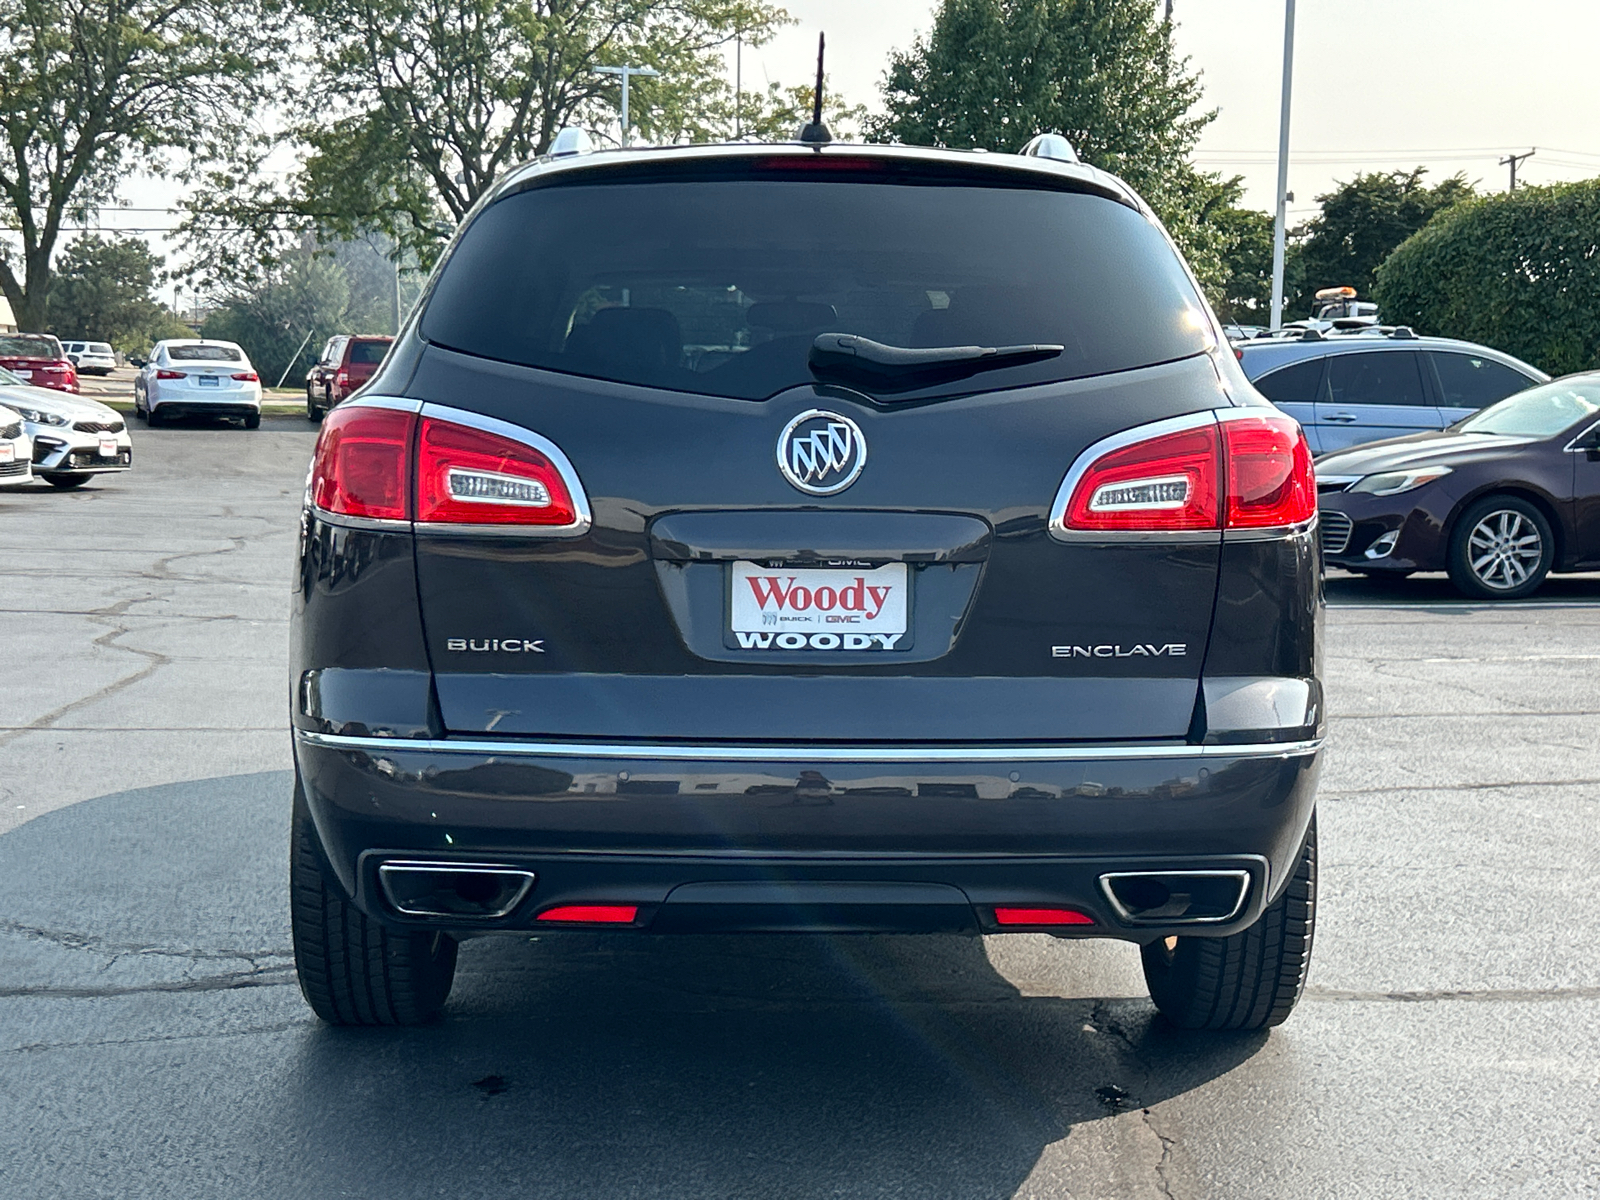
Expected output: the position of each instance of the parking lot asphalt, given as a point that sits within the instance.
(152, 1041)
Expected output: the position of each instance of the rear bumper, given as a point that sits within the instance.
(241, 407)
(812, 837)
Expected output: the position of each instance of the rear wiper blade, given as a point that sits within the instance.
(855, 359)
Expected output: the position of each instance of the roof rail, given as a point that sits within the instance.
(1052, 146)
(571, 140)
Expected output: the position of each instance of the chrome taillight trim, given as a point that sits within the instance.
(709, 753)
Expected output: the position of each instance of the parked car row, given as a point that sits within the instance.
(63, 439)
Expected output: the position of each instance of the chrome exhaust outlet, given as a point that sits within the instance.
(474, 891)
(1176, 897)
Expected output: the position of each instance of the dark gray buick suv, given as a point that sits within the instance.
(837, 539)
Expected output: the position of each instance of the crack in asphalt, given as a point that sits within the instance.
(97, 945)
(1476, 995)
(1339, 793)
(231, 981)
(1103, 1019)
(44, 1047)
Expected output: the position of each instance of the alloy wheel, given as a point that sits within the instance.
(1504, 549)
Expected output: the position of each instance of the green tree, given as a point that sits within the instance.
(92, 88)
(992, 73)
(1244, 292)
(102, 290)
(420, 104)
(283, 320)
(1360, 224)
(1519, 271)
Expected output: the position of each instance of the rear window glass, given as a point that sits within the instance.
(721, 286)
(1381, 377)
(99, 348)
(1468, 381)
(204, 353)
(29, 345)
(368, 352)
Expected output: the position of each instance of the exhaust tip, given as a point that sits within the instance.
(475, 891)
(1176, 897)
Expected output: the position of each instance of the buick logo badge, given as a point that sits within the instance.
(821, 452)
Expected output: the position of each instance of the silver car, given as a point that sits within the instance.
(1366, 385)
(16, 450)
(74, 438)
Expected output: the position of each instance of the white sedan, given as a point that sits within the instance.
(73, 437)
(197, 377)
(16, 450)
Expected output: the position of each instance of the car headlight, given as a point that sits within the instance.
(1392, 483)
(42, 418)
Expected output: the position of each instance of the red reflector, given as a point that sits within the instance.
(1164, 483)
(592, 914)
(361, 465)
(1270, 478)
(1041, 916)
(467, 476)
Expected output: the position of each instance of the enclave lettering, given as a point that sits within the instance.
(1138, 650)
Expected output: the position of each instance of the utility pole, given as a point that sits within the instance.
(1280, 223)
(627, 73)
(1511, 160)
(738, 86)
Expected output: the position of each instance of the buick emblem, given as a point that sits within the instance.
(821, 452)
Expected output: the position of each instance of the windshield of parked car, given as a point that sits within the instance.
(207, 352)
(1539, 412)
(29, 345)
(721, 286)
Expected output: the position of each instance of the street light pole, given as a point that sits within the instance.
(1280, 222)
(627, 73)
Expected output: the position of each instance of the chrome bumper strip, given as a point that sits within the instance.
(689, 752)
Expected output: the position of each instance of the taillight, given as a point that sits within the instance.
(1270, 478)
(363, 461)
(247, 377)
(342, 378)
(1241, 472)
(170, 375)
(468, 476)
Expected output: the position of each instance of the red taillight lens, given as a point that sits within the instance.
(1270, 478)
(1041, 916)
(592, 914)
(467, 476)
(247, 377)
(1247, 472)
(1167, 482)
(170, 375)
(362, 465)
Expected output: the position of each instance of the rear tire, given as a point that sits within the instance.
(353, 970)
(66, 482)
(1251, 980)
(253, 421)
(1501, 549)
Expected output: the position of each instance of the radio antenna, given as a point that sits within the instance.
(815, 133)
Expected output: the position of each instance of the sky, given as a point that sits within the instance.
(1451, 85)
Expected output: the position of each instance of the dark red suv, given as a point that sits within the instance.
(347, 362)
(38, 358)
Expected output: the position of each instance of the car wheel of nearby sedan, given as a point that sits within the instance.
(1501, 549)
(66, 482)
(1250, 980)
(253, 421)
(353, 970)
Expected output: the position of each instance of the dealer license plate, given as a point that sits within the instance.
(7, 452)
(208, 381)
(819, 608)
(108, 447)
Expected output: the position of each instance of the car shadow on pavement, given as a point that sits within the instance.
(143, 937)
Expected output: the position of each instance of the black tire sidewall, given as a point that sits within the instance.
(1461, 573)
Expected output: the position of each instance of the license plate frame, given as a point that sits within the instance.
(747, 627)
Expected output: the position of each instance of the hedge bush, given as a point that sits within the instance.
(1518, 271)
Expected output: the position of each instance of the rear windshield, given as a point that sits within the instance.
(721, 286)
(29, 345)
(368, 352)
(99, 348)
(204, 353)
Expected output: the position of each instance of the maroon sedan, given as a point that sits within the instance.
(38, 359)
(1498, 500)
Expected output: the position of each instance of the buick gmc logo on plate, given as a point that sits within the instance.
(821, 452)
(818, 608)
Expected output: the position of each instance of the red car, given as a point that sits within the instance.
(38, 358)
(347, 362)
